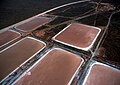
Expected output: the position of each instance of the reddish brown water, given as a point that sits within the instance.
(33, 24)
(17, 54)
(78, 35)
(103, 75)
(56, 68)
(7, 36)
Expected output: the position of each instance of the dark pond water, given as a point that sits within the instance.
(13, 11)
